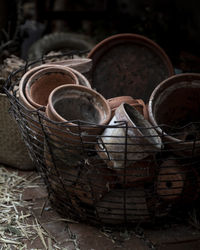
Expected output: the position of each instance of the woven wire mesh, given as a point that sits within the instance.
(78, 168)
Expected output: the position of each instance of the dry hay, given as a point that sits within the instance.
(17, 225)
(9, 65)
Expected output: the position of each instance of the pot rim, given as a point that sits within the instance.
(165, 85)
(23, 83)
(140, 38)
(79, 87)
(42, 72)
(76, 72)
(33, 70)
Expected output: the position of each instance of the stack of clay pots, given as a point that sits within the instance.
(109, 159)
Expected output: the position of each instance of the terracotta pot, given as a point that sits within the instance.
(141, 139)
(73, 103)
(175, 104)
(42, 82)
(137, 103)
(32, 117)
(22, 95)
(170, 180)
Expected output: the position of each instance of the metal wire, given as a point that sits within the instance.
(81, 174)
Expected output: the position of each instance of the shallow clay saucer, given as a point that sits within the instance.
(128, 64)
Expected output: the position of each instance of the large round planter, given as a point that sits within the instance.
(128, 64)
(130, 142)
(174, 111)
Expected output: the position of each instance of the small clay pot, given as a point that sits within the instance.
(137, 103)
(42, 82)
(118, 144)
(73, 104)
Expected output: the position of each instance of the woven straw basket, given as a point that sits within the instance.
(13, 150)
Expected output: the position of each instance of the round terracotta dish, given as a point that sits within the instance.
(128, 64)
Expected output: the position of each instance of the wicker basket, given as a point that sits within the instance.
(13, 151)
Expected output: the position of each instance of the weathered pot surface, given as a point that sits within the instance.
(22, 96)
(74, 104)
(119, 150)
(174, 110)
(125, 64)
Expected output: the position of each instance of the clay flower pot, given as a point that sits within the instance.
(42, 82)
(174, 110)
(23, 82)
(32, 117)
(72, 103)
(141, 140)
(137, 103)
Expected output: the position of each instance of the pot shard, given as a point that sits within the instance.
(132, 139)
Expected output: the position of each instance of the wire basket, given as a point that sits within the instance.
(80, 177)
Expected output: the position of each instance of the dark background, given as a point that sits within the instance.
(174, 25)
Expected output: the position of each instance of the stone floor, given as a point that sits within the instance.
(77, 236)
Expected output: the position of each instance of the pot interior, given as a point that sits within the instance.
(78, 108)
(41, 88)
(178, 109)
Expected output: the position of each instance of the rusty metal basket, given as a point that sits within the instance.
(80, 181)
